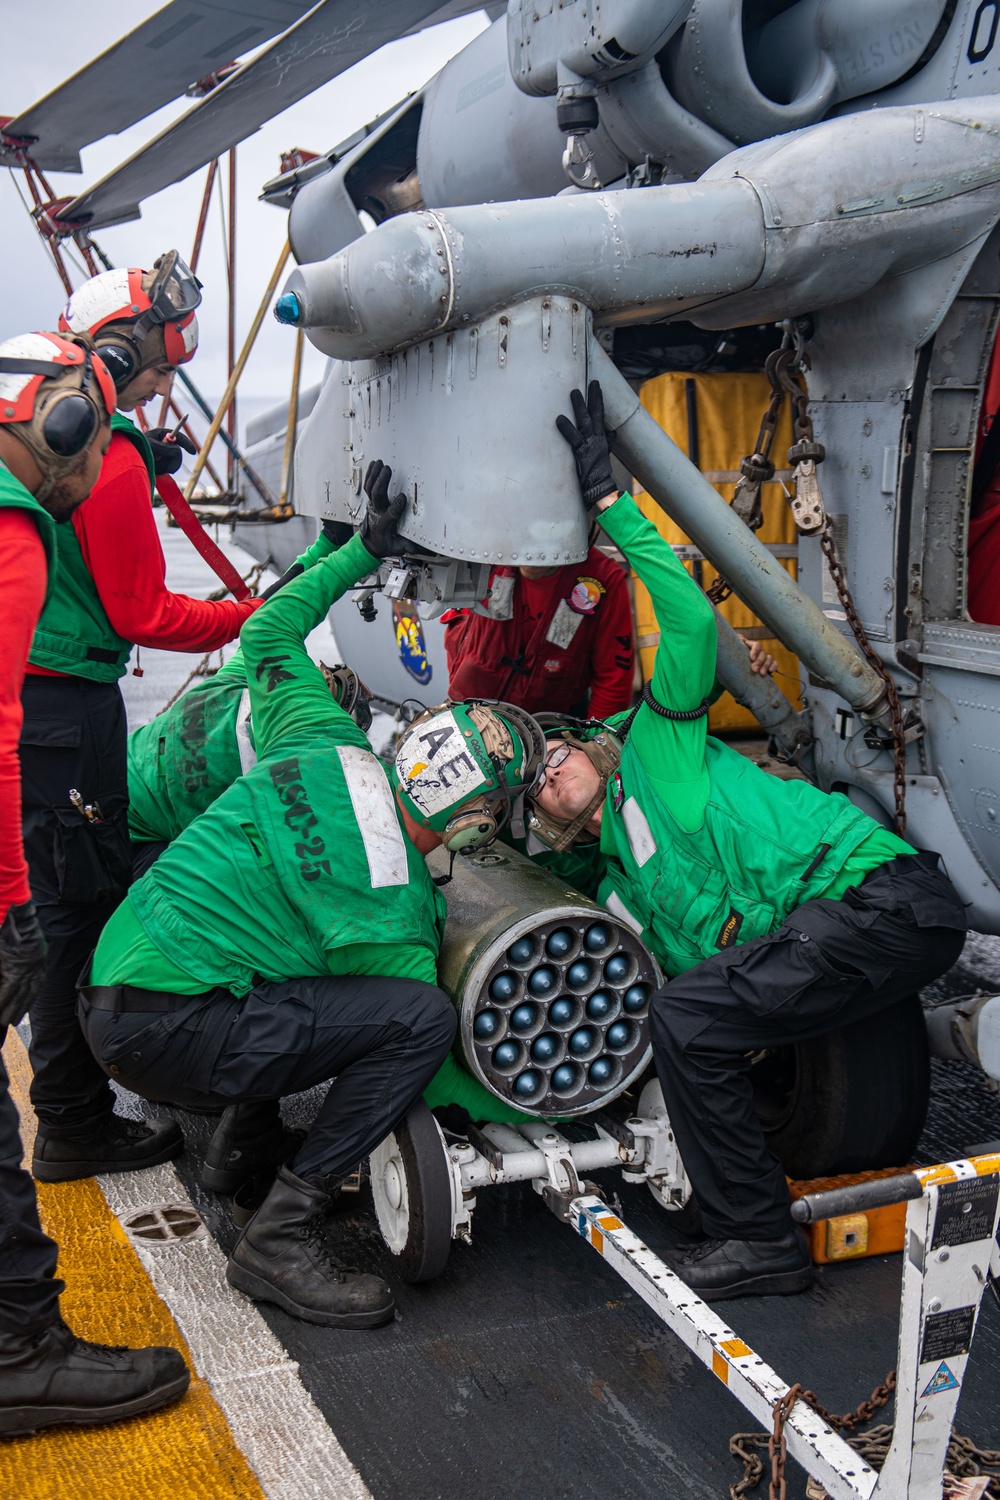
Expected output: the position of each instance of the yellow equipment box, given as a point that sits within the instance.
(718, 417)
(877, 1231)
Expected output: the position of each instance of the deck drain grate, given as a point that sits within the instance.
(160, 1223)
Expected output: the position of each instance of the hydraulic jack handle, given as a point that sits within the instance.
(879, 1192)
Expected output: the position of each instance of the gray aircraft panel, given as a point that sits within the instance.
(153, 64)
(964, 63)
(328, 40)
(377, 649)
(822, 51)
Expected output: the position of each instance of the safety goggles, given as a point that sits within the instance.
(174, 293)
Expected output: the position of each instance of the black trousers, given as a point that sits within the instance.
(829, 964)
(73, 738)
(380, 1040)
(145, 855)
(29, 1291)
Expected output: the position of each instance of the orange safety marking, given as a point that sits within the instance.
(609, 1223)
(735, 1348)
(720, 1366)
(597, 1239)
(187, 1451)
(930, 1176)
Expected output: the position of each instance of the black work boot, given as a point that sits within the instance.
(51, 1376)
(115, 1145)
(719, 1269)
(281, 1257)
(249, 1141)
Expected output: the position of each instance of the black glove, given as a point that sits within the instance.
(23, 953)
(378, 524)
(167, 456)
(589, 443)
(338, 532)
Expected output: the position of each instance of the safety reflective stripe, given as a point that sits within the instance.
(375, 812)
(616, 906)
(565, 624)
(248, 755)
(640, 835)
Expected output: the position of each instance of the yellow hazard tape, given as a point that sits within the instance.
(186, 1452)
(984, 1166)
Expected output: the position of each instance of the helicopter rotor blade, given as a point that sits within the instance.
(325, 42)
(184, 41)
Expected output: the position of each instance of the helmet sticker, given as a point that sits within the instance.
(586, 595)
(436, 767)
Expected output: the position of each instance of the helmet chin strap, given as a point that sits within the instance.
(573, 829)
(440, 880)
(604, 754)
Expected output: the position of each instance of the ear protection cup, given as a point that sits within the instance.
(59, 415)
(469, 829)
(122, 357)
(70, 424)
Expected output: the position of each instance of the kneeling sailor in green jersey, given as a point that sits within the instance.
(290, 934)
(180, 762)
(778, 911)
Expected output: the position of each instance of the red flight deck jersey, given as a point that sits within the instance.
(117, 532)
(23, 571)
(548, 641)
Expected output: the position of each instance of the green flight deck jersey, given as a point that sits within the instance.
(703, 849)
(301, 866)
(180, 762)
(14, 494)
(74, 634)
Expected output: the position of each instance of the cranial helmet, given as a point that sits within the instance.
(462, 768)
(138, 318)
(604, 750)
(350, 692)
(56, 395)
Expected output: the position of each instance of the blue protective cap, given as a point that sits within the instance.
(288, 308)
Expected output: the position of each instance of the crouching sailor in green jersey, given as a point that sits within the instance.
(289, 936)
(778, 911)
(184, 758)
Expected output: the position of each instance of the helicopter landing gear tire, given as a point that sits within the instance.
(850, 1101)
(411, 1188)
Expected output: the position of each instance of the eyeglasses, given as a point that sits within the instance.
(556, 757)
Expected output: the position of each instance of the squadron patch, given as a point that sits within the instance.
(586, 595)
(410, 641)
(616, 790)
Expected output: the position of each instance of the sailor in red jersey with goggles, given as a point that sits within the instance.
(107, 593)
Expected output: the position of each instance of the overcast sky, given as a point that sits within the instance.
(43, 43)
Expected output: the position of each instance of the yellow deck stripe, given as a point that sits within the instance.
(186, 1452)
